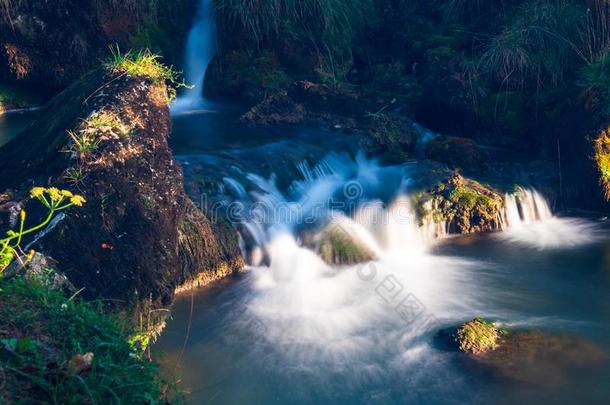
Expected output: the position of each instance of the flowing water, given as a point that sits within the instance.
(293, 329)
(200, 49)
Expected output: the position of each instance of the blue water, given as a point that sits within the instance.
(292, 333)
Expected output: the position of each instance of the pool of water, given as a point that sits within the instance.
(292, 329)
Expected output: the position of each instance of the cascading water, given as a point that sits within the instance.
(351, 333)
(200, 49)
(528, 219)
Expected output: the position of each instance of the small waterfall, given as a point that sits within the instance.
(524, 207)
(200, 49)
(528, 220)
(368, 201)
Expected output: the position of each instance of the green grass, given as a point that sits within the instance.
(323, 24)
(41, 332)
(141, 63)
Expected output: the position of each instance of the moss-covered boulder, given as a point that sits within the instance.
(138, 236)
(336, 246)
(478, 336)
(465, 205)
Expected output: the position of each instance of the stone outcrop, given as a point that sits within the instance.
(138, 236)
(465, 205)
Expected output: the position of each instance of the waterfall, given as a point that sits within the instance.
(528, 220)
(200, 49)
(524, 207)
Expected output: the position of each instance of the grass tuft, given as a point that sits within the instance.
(55, 349)
(141, 63)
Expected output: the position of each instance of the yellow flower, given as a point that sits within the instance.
(55, 194)
(37, 192)
(22, 215)
(78, 200)
(66, 193)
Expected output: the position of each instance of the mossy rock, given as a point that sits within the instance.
(478, 336)
(337, 247)
(464, 204)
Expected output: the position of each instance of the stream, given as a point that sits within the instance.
(293, 329)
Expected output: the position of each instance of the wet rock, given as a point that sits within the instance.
(319, 98)
(541, 358)
(336, 246)
(40, 268)
(533, 357)
(465, 205)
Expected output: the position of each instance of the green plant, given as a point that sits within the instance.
(106, 122)
(595, 80)
(75, 176)
(83, 143)
(322, 24)
(601, 157)
(143, 63)
(542, 42)
(63, 350)
(54, 200)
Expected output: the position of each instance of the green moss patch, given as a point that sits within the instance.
(601, 157)
(478, 336)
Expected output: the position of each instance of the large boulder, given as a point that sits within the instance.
(138, 236)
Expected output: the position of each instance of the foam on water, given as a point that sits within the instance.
(528, 220)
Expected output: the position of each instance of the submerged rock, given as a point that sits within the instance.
(336, 246)
(139, 236)
(533, 357)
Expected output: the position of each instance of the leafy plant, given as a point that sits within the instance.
(75, 176)
(54, 200)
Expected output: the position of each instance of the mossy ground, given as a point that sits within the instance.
(45, 338)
